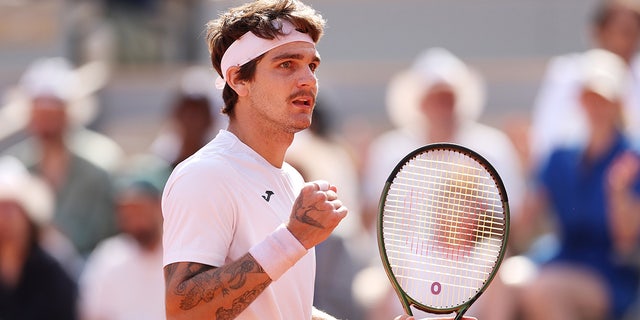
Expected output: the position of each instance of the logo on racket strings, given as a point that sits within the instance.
(436, 288)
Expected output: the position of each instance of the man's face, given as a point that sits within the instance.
(283, 92)
(438, 103)
(140, 216)
(48, 118)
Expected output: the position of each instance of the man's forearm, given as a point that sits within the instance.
(197, 291)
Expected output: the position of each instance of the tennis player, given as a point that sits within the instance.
(241, 224)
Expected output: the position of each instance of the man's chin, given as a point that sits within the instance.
(301, 125)
(296, 130)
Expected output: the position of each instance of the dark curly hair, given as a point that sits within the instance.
(257, 17)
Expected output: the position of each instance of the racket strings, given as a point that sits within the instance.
(443, 225)
(482, 250)
(492, 227)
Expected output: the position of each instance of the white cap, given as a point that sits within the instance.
(52, 77)
(604, 73)
(29, 192)
(434, 66)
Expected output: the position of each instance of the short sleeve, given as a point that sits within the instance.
(199, 215)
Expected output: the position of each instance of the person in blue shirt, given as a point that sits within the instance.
(593, 190)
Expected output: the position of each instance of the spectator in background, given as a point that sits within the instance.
(83, 190)
(123, 276)
(615, 27)
(439, 100)
(77, 88)
(593, 189)
(192, 120)
(33, 286)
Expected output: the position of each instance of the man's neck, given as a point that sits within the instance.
(272, 145)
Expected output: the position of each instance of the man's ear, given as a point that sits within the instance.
(239, 86)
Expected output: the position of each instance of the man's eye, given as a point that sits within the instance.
(313, 66)
(286, 64)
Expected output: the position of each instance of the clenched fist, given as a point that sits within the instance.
(316, 212)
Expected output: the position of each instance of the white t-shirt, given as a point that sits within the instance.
(223, 200)
(121, 281)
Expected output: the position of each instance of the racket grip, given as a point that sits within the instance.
(278, 252)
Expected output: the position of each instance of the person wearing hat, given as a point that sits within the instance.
(593, 192)
(614, 26)
(83, 189)
(33, 285)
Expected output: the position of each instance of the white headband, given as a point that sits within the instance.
(249, 46)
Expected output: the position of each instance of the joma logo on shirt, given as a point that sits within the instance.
(268, 195)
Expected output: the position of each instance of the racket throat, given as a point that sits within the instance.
(460, 313)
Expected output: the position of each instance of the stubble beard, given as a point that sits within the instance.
(289, 123)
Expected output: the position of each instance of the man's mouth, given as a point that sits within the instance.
(303, 101)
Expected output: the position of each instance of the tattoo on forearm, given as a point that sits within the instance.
(202, 285)
(302, 213)
(240, 303)
(239, 273)
(198, 286)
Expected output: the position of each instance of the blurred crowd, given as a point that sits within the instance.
(81, 223)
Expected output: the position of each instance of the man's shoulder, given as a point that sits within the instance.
(201, 165)
(202, 172)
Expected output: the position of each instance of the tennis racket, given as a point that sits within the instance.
(442, 228)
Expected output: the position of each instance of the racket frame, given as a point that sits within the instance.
(406, 300)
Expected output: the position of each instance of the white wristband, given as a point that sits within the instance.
(278, 252)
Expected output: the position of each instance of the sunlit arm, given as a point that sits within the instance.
(197, 291)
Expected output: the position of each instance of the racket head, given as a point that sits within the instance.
(443, 226)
